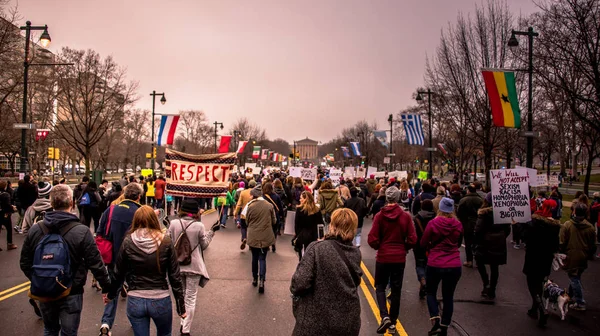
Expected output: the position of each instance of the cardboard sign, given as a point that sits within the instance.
(379, 175)
(146, 172)
(251, 166)
(308, 174)
(422, 175)
(553, 181)
(510, 195)
(541, 180)
(371, 171)
(349, 172)
(361, 172)
(205, 175)
(296, 171)
(398, 175)
(335, 175)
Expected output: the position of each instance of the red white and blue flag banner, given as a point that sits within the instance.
(205, 175)
(355, 148)
(265, 153)
(225, 142)
(241, 147)
(166, 132)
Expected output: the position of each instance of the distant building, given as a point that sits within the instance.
(307, 149)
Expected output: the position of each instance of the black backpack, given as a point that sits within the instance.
(183, 247)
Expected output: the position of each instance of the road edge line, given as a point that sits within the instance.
(13, 294)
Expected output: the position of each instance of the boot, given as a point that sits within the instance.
(443, 331)
(491, 294)
(11, 247)
(436, 329)
(261, 286)
(255, 282)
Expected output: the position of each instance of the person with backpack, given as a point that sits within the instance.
(114, 225)
(244, 199)
(90, 205)
(467, 214)
(191, 239)
(37, 210)
(78, 192)
(148, 262)
(421, 220)
(73, 252)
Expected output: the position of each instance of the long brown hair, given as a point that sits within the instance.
(309, 207)
(145, 218)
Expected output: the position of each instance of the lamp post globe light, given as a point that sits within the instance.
(163, 100)
(216, 123)
(45, 42)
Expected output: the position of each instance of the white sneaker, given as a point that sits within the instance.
(392, 329)
(105, 330)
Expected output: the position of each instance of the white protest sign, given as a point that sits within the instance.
(532, 173)
(379, 174)
(510, 195)
(296, 171)
(541, 180)
(309, 174)
(335, 175)
(251, 166)
(21, 176)
(349, 172)
(371, 171)
(361, 172)
(553, 181)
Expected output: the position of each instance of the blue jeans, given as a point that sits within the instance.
(358, 236)
(110, 310)
(575, 288)
(259, 257)
(224, 213)
(449, 278)
(392, 273)
(421, 272)
(140, 311)
(244, 228)
(62, 316)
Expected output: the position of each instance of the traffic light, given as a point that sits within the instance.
(148, 156)
(56, 153)
(51, 153)
(417, 160)
(41, 134)
(154, 153)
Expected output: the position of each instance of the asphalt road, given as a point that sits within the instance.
(230, 305)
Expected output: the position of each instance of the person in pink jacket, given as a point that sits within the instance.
(442, 238)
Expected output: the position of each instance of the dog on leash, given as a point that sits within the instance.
(557, 297)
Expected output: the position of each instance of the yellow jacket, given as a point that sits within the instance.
(245, 197)
(150, 191)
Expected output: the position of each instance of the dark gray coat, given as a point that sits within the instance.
(326, 297)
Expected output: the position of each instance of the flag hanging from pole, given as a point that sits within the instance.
(225, 142)
(504, 102)
(346, 151)
(413, 129)
(382, 137)
(241, 147)
(355, 148)
(166, 132)
(443, 148)
(256, 152)
(265, 152)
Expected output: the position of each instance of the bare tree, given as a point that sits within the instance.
(195, 134)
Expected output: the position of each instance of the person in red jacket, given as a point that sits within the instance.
(392, 235)
(159, 191)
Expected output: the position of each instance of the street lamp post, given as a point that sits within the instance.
(360, 135)
(391, 121)
(163, 100)
(217, 124)
(45, 41)
(430, 149)
(513, 42)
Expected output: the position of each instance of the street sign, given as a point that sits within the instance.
(431, 149)
(390, 154)
(24, 126)
(531, 134)
(386, 160)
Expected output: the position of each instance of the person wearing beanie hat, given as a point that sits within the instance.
(39, 208)
(442, 239)
(392, 235)
(489, 247)
(542, 238)
(195, 273)
(371, 184)
(467, 215)
(260, 219)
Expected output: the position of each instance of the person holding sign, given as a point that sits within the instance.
(489, 247)
(541, 237)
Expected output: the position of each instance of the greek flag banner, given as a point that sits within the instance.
(413, 128)
(355, 148)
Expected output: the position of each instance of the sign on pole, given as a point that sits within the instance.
(553, 181)
(386, 160)
(510, 195)
(24, 126)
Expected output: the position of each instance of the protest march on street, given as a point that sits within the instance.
(327, 168)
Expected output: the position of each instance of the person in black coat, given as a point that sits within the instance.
(421, 220)
(379, 202)
(308, 217)
(6, 211)
(489, 247)
(270, 196)
(359, 206)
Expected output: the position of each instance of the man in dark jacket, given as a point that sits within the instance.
(467, 214)
(78, 192)
(421, 220)
(392, 235)
(63, 315)
(6, 211)
(27, 193)
(358, 205)
(428, 193)
(120, 223)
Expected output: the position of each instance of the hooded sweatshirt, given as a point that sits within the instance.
(40, 205)
(423, 218)
(143, 240)
(392, 234)
(441, 237)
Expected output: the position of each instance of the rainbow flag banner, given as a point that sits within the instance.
(502, 93)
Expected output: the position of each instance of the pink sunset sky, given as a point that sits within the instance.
(298, 68)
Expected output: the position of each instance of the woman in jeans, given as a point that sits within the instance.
(147, 258)
(441, 237)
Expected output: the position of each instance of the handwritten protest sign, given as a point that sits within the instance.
(371, 170)
(252, 166)
(553, 181)
(379, 174)
(510, 195)
(349, 172)
(335, 175)
(361, 172)
(541, 180)
(309, 174)
(423, 175)
(296, 171)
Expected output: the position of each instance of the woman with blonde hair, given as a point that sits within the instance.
(147, 258)
(405, 195)
(442, 238)
(308, 217)
(313, 291)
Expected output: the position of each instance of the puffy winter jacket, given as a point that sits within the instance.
(441, 238)
(392, 234)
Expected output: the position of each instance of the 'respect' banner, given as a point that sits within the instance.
(205, 175)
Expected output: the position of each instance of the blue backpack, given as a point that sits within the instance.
(85, 199)
(51, 276)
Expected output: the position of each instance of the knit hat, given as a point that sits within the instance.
(190, 206)
(447, 205)
(488, 198)
(44, 189)
(546, 209)
(372, 176)
(256, 191)
(242, 184)
(252, 184)
(392, 195)
(116, 186)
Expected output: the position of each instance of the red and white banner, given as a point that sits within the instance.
(205, 175)
(166, 132)
(225, 142)
(265, 154)
(241, 147)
